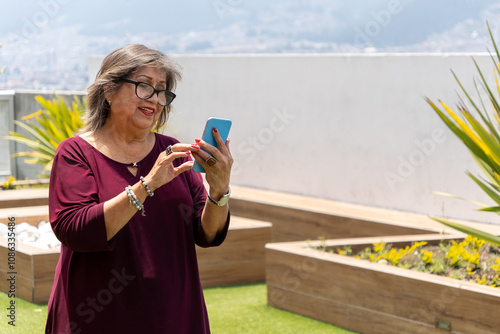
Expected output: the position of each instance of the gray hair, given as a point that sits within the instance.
(118, 65)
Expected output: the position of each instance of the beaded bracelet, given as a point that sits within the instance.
(150, 193)
(134, 200)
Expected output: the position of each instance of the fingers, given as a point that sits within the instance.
(164, 169)
(179, 150)
(217, 152)
(220, 143)
(227, 146)
(172, 156)
(221, 154)
(184, 167)
(181, 147)
(201, 159)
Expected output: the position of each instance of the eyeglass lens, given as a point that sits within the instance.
(145, 91)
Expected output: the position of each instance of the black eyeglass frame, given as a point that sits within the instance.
(155, 91)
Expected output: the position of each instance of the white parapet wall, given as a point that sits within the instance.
(346, 127)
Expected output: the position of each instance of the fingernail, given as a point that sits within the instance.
(188, 152)
(197, 140)
(215, 130)
(196, 147)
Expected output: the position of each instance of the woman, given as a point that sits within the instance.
(129, 210)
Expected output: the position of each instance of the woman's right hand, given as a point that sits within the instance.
(164, 171)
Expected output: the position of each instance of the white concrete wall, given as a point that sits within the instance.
(7, 165)
(352, 128)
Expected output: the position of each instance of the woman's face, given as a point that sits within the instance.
(128, 110)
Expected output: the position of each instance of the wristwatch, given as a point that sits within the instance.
(223, 201)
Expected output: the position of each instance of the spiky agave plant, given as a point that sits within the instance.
(54, 123)
(482, 137)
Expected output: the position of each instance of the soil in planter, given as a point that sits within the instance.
(470, 259)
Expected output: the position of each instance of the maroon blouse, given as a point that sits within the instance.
(145, 279)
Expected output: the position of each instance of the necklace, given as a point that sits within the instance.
(133, 164)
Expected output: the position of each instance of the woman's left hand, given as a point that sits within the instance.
(218, 174)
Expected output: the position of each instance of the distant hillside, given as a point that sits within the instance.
(46, 43)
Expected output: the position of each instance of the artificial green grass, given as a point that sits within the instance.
(232, 310)
(30, 318)
(243, 310)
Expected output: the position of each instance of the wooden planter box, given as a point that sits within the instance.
(298, 218)
(34, 270)
(240, 259)
(375, 298)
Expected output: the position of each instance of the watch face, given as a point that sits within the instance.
(223, 200)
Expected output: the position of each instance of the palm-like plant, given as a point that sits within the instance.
(482, 137)
(54, 123)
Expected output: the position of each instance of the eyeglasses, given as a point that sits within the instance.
(144, 91)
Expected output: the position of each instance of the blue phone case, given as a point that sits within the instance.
(223, 125)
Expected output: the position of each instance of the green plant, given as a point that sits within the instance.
(464, 253)
(481, 136)
(471, 259)
(385, 254)
(9, 183)
(54, 123)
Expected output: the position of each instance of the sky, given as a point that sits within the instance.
(395, 22)
(53, 38)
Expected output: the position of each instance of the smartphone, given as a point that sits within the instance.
(221, 124)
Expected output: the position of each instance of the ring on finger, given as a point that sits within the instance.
(169, 150)
(211, 161)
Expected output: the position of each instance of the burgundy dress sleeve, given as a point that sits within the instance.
(76, 215)
(199, 194)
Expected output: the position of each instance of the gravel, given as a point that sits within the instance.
(40, 236)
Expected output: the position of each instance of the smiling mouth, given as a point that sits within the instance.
(148, 111)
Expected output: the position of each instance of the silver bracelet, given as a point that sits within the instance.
(223, 201)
